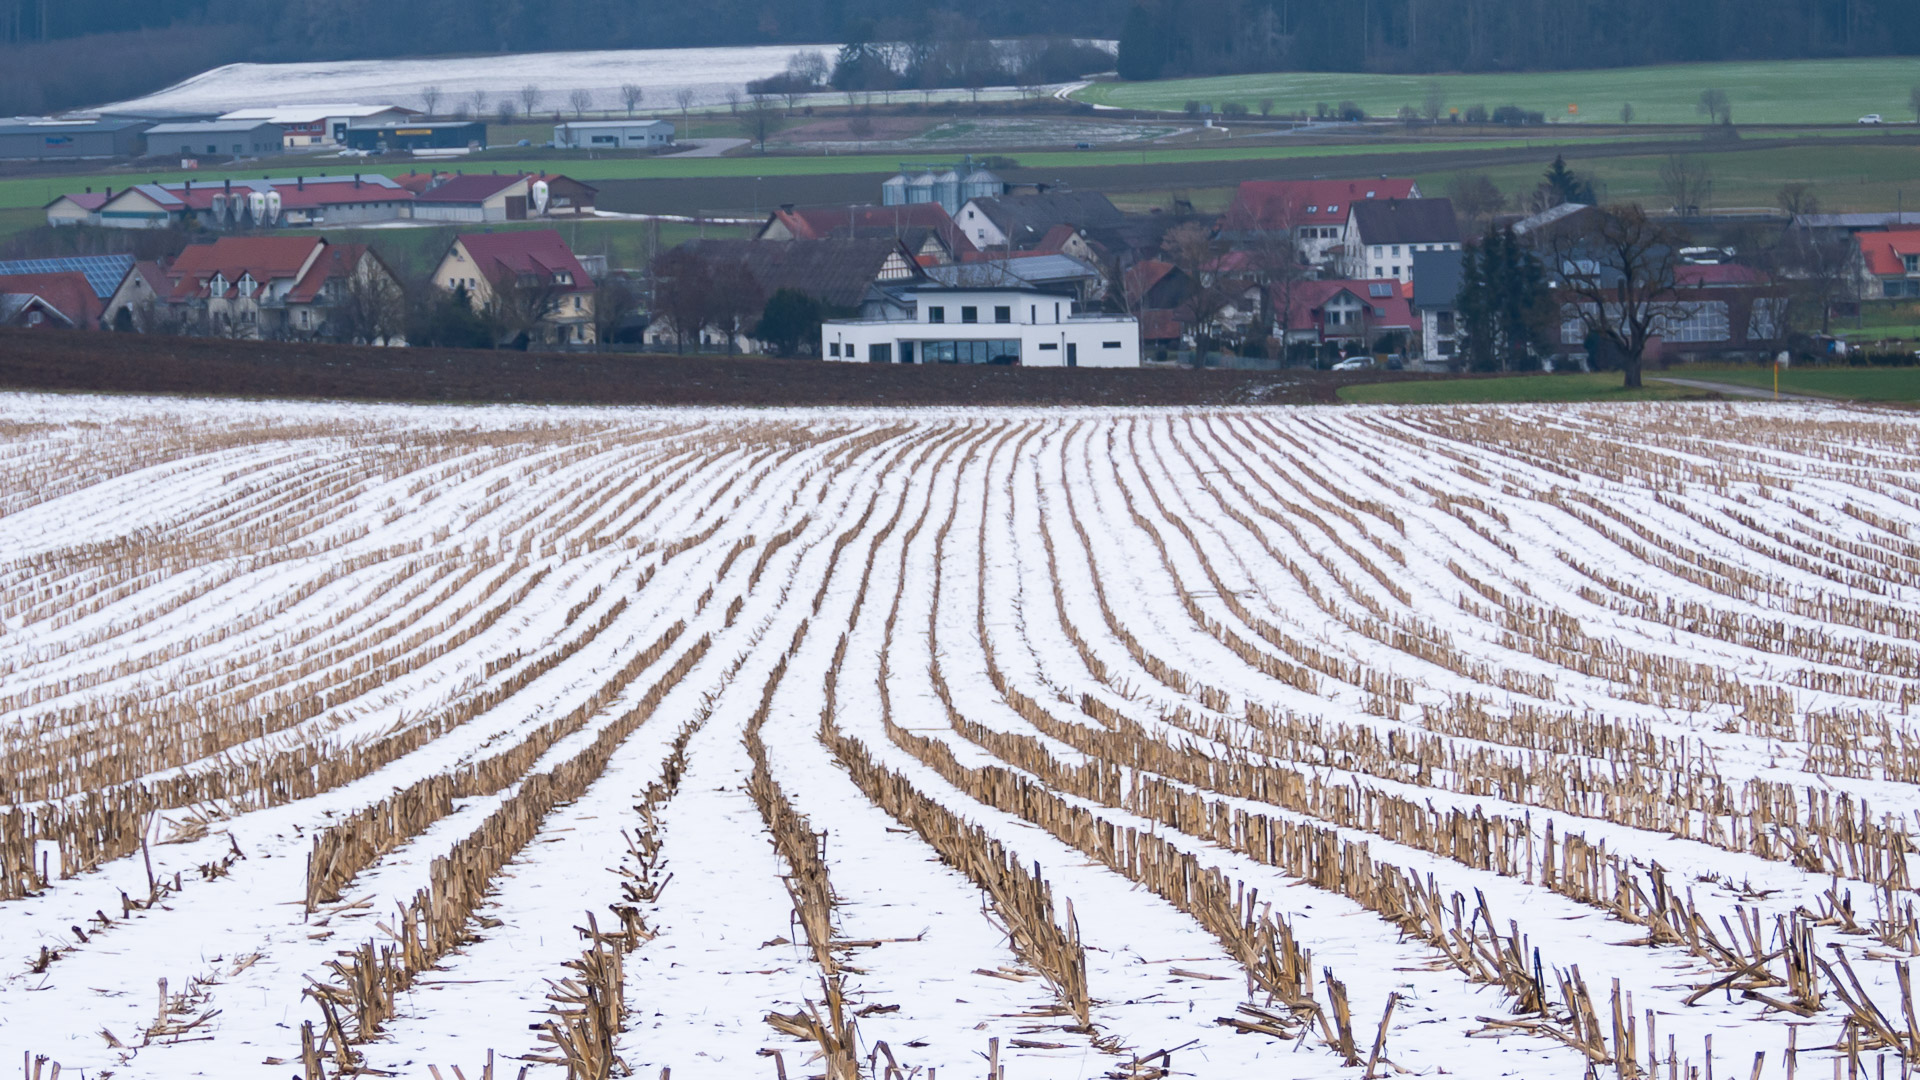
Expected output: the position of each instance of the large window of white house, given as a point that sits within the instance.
(970, 352)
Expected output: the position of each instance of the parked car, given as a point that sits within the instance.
(1872, 118)
(1358, 363)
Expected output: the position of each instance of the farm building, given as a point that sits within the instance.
(612, 135)
(480, 197)
(214, 138)
(78, 208)
(225, 204)
(462, 135)
(103, 272)
(986, 325)
(52, 140)
(309, 126)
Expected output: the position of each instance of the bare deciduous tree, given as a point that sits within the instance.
(631, 94)
(430, 100)
(507, 111)
(1626, 112)
(1476, 198)
(1618, 280)
(477, 101)
(761, 119)
(683, 97)
(860, 126)
(1797, 199)
(518, 306)
(1687, 181)
(580, 100)
(1192, 249)
(529, 98)
(1434, 103)
(370, 308)
(1715, 107)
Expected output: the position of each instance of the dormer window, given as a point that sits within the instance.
(1315, 209)
(1369, 194)
(218, 284)
(1333, 208)
(1913, 263)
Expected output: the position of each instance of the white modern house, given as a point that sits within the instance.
(994, 325)
(613, 135)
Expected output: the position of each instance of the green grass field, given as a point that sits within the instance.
(1848, 383)
(38, 191)
(1778, 92)
(1600, 386)
(1848, 177)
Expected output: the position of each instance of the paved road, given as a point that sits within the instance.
(709, 147)
(1734, 389)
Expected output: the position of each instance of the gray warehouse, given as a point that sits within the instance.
(613, 134)
(214, 138)
(40, 140)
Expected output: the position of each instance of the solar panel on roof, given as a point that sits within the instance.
(103, 272)
(1379, 289)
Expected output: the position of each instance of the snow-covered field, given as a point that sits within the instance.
(1130, 744)
(661, 73)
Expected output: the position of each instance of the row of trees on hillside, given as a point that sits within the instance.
(1189, 37)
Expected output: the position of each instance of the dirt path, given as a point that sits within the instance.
(1735, 389)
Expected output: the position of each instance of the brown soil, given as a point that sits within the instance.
(127, 363)
(836, 129)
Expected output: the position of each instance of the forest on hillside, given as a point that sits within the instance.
(62, 53)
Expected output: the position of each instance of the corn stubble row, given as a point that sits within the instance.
(1387, 562)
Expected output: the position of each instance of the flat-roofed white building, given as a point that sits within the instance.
(612, 135)
(999, 325)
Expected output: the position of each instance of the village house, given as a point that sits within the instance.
(49, 301)
(841, 274)
(103, 272)
(1024, 221)
(1437, 276)
(1315, 213)
(251, 287)
(528, 279)
(971, 325)
(1360, 312)
(1890, 263)
(926, 228)
(1384, 235)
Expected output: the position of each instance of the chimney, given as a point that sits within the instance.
(89, 189)
(227, 186)
(356, 179)
(299, 183)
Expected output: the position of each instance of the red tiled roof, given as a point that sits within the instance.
(1142, 276)
(1391, 312)
(338, 259)
(1273, 204)
(85, 200)
(1159, 324)
(536, 251)
(820, 222)
(67, 293)
(265, 258)
(1885, 251)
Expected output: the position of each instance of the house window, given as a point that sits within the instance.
(1376, 251)
(1056, 313)
(1443, 322)
(833, 348)
(1913, 263)
(1049, 346)
(1003, 314)
(1109, 344)
(969, 314)
(1032, 315)
(1396, 271)
(1396, 250)
(880, 354)
(1333, 208)
(1313, 209)
(937, 314)
(1702, 322)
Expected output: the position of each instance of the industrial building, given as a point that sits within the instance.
(418, 136)
(54, 140)
(214, 138)
(308, 127)
(612, 135)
